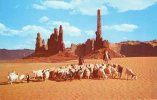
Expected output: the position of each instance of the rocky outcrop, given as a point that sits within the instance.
(40, 46)
(136, 48)
(89, 46)
(54, 45)
(61, 45)
(98, 54)
(92, 45)
(98, 44)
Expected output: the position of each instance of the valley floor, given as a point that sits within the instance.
(145, 87)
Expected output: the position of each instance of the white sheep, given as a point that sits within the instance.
(12, 77)
(87, 73)
(129, 72)
(80, 73)
(101, 73)
(47, 73)
(38, 74)
(22, 77)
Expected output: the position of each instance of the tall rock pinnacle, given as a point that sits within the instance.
(99, 23)
(99, 41)
(38, 42)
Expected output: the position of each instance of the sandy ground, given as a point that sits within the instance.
(145, 87)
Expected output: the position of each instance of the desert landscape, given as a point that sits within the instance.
(144, 87)
(78, 50)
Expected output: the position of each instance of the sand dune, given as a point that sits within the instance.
(145, 87)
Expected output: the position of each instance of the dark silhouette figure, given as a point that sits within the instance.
(81, 60)
(106, 56)
(28, 78)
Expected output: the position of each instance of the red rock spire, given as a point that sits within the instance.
(99, 23)
(60, 33)
(56, 33)
(99, 41)
(38, 42)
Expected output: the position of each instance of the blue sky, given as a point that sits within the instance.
(122, 20)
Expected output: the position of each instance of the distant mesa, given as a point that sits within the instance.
(14, 54)
(136, 48)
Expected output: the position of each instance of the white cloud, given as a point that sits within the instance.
(7, 31)
(29, 32)
(88, 7)
(67, 43)
(44, 19)
(56, 4)
(30, 44)
(67, 27)
(85, 7)
(26, 31)
(39, 7)
(2, 27)
(126, 5)
(121, 27)
(90, 32)
(33, 29)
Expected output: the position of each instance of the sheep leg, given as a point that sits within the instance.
(11, 82)
(127, 77)
(120, 75)
(8, 82)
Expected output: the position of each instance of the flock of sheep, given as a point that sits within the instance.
(71, 72)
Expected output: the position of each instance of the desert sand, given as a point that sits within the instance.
(145, 87)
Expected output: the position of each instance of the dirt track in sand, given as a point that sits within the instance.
(145, 87)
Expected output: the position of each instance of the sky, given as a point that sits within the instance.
(122, 20)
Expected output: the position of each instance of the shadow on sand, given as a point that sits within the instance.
(6, 83)
(36, 81)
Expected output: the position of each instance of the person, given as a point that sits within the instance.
(44, 76)
(106, 56)
(81, 60)
(28, 78)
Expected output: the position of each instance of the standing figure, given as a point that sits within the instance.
(81, 60)
(106, 56)
(44, 76)
(28, 78)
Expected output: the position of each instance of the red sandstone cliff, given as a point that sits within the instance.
(136, 48)
(98, 54)
(54, 44)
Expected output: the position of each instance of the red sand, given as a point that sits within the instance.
(145, 87)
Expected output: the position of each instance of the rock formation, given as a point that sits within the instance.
(61, 45)
(54, 44)
(99, 41)
(39, 44)
(84, 48)
(91, 45)
(14, 54)
(136, 48)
